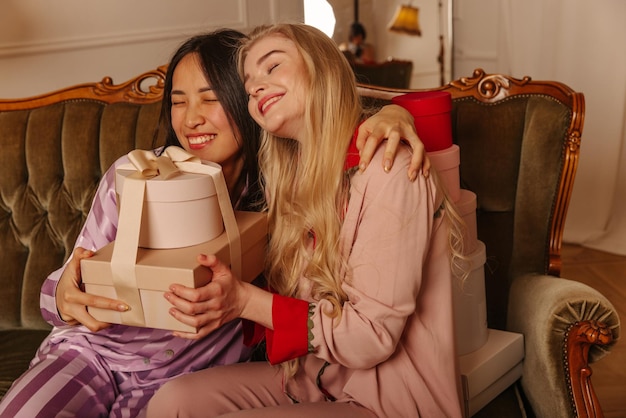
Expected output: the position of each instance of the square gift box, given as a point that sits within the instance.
(157, 269)
(488, 371)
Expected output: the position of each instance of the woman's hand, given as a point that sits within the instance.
(72, 302)
(395, 124)
(220, 301)
(210, 306)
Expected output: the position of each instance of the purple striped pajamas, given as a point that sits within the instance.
(114, 372)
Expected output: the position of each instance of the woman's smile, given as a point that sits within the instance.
(266, 103)
(198, 141)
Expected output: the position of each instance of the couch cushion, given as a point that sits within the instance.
(52, 160)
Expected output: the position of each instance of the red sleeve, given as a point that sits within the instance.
(290, 337)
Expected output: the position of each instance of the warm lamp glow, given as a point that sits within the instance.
(406, 21)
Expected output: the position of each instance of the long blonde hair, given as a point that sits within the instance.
(304, 180)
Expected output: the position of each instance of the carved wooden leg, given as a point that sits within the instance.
(578, 340)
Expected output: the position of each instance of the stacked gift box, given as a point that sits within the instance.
(490, 360)
(167, 217)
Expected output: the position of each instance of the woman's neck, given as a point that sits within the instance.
(232, 172)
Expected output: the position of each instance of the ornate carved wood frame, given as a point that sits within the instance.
(146, 88)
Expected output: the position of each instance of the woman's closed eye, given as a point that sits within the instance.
(208, 96)
(271, 67)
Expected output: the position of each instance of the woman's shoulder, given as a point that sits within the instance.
(400, 164)
(375, 180)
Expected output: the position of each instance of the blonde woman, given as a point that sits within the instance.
(360, 263)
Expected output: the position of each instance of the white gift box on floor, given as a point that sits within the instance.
(488, 371)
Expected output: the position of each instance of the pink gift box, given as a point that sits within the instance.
(466, 207)
(431, 112)
(157, 269)
(446, 163)
(470, 306)
(178, 212)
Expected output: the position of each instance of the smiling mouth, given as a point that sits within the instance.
(269, 102)
(202, 139)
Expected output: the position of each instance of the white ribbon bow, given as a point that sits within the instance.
(166, 165)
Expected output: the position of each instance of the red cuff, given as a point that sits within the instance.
(290, 337)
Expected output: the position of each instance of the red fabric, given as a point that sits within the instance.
(290, 337)
(352, 157)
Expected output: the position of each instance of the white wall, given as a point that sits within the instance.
(476, 28)
(580, 43)
(47, 45)
(422, 50)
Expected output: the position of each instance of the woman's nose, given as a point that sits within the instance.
(255, 87)
(193, 116)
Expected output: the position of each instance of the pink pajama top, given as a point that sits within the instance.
(127, 348)
(392, 350)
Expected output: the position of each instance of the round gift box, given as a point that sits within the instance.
(470, 306)
(446, 163)
(466, 206)
(431, 113)
(178, 212)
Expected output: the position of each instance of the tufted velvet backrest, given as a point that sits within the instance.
(53, 152)
(512, 161)
(519, 143)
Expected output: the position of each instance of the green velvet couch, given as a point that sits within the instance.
(519, 142)
(55, 149)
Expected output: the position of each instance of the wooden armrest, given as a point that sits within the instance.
(578, 340)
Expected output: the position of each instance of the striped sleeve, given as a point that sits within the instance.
(99, 229)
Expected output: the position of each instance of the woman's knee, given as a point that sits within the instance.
(218, 390)
(160, 404)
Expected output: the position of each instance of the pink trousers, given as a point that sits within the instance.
(250, 390)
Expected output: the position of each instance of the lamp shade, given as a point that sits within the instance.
(406, 20)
